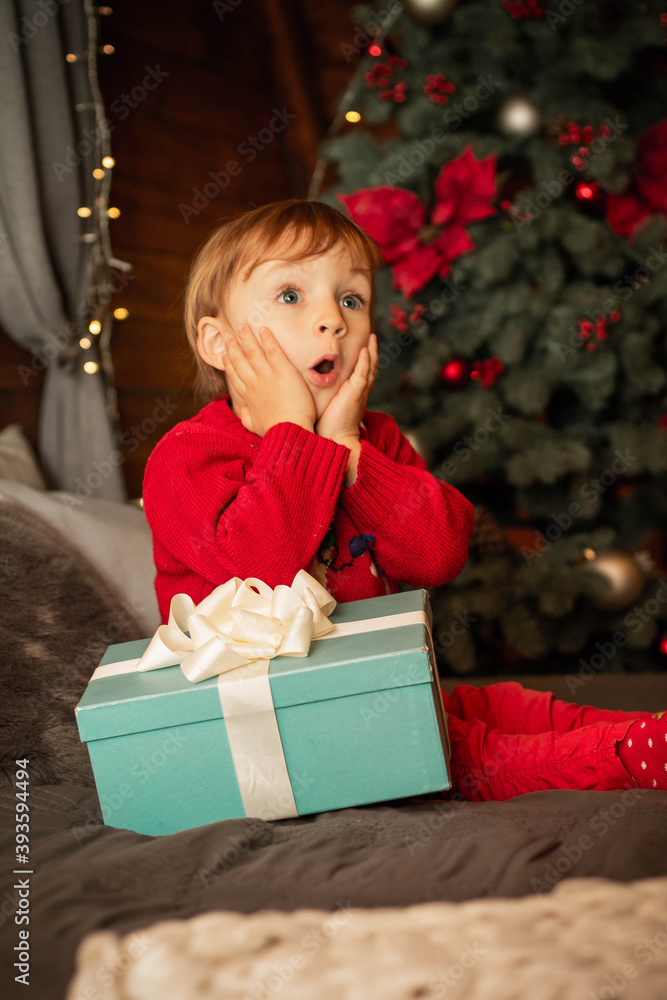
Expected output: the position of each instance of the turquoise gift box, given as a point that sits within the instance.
(361, 720)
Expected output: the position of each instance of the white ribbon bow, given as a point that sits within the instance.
(235, 626)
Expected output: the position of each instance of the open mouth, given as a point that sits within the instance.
(326, 372)
(324, 367)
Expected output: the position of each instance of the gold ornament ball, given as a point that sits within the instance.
(518, 117)
(625, 578)
(429, 11)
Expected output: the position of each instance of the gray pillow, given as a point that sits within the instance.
(17, 459)
(114, 537)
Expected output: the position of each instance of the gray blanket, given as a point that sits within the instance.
(88, 876)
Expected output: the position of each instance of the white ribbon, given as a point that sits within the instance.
(235, 626)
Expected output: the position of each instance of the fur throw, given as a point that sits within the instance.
(57, 616)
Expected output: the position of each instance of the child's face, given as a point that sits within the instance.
(315, 307)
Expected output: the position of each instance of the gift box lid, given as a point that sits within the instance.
(336, 667)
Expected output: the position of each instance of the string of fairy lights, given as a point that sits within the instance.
(105, 271)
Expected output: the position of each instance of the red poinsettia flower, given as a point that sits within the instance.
(648, 192)
(396, 219)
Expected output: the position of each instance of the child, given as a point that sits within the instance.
(285, 469)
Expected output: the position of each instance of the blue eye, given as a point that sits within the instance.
(359, 298)
(288, 290)
(357, 301)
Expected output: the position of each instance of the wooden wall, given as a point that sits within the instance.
(224, 71)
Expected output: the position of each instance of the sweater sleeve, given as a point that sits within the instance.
(222, 517)
(421, 525)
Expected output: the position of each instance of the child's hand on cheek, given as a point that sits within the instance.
(270, 388)
(340, 420)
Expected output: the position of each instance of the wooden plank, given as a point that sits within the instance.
(178, 220)
(191, 32)
(160, 151)
(291, 54)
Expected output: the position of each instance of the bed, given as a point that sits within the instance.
(551, 894)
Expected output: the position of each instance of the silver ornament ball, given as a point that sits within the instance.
(429, 11)
(518, 117)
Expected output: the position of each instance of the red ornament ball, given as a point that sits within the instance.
(455, 373)
(663, 645)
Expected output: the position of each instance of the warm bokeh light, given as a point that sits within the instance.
(113, 213)
(85, 342)
(121, 313)
(91, 367)
(84, 212)
(95, 326)
(108, 162)
(353, 116)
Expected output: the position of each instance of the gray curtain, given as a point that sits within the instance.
(49, 256)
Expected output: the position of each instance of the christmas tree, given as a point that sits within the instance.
(510, 159)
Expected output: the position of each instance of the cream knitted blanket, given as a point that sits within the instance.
(588, 939)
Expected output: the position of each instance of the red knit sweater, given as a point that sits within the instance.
(222, 502)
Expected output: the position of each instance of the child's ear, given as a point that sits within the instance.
(210, 341)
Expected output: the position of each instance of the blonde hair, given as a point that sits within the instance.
(293, 229)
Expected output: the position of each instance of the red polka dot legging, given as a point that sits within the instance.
(507, 740)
